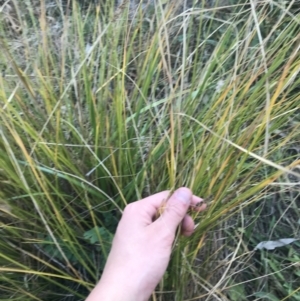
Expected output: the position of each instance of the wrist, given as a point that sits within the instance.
(121, 288)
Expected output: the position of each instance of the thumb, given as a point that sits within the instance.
(176, 208)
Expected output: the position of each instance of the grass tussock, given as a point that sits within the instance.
(102, 104)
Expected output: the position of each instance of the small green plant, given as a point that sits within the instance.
(103, 238)
(48, 246)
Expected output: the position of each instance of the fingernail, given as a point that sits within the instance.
(199, 204)
(184, 195)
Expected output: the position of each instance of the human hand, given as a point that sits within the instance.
(142, 245)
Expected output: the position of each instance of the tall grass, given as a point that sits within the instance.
(101, 106)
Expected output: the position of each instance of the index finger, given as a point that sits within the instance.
(155, 202)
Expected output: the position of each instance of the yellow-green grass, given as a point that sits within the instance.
(102, 106)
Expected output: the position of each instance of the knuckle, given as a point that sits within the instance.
(177, 211)
(129, 209)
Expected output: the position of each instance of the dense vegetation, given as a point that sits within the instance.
(104, 103)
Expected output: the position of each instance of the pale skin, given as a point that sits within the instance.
(142, 245)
